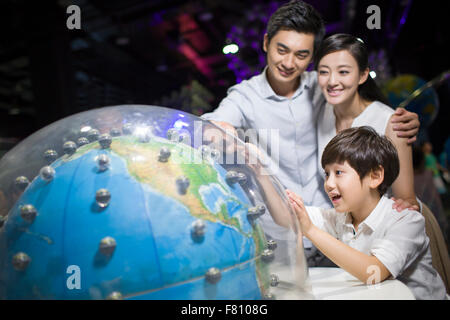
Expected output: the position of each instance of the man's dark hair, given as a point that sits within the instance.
(298, 16)
(365, 151)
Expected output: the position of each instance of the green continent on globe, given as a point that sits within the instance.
(143, 164)
(161, 176)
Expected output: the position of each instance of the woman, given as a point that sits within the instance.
(354, 100)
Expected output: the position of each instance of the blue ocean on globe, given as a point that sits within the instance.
(156, 256)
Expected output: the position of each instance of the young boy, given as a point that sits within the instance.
(363, 233)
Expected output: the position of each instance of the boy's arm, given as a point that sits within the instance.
(351, 260)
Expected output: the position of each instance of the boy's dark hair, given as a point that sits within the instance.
(364, 150)
(298, 16)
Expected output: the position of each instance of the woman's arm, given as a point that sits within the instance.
(403, 186)
(405, 123)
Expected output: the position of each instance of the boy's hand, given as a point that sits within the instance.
(406, 124)
(300, 212)
(401, 205)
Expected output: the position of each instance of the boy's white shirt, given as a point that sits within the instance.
(397, 239)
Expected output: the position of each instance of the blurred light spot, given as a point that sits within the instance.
(230, 48)
(85, 129)
(180, 124)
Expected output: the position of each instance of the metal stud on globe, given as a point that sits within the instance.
(28, 213)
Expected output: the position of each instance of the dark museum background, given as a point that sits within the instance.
(169, 53)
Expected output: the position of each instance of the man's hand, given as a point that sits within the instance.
(401, 205)
(216, 137)
(406, 124)
(226, 126)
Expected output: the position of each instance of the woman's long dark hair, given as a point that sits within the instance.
(368, 90)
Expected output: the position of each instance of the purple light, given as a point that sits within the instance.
(248, 34)
(157, 18)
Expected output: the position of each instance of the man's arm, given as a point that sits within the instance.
(230, 110)
(277, 205)
(227, 116)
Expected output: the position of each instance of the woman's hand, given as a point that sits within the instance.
(300, 212)
(400, 205)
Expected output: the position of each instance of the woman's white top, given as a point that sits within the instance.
(375, 115)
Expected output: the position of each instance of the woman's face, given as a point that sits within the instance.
(339, 77)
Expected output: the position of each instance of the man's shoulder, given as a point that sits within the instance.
(252, 83)
(310, 76)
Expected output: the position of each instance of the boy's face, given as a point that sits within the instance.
(288, 55)
(344, 187)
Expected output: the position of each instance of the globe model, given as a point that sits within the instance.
(426, 105)
(124, 202)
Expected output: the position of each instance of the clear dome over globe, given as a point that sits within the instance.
(139, 202)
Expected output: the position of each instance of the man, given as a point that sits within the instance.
(287, 98)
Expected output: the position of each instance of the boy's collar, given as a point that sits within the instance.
(376, 216)
(374, 219)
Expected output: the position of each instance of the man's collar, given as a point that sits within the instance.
(267, 91)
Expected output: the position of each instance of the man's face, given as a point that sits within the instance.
(288, 55)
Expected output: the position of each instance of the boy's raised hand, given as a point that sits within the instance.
(300, 212)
